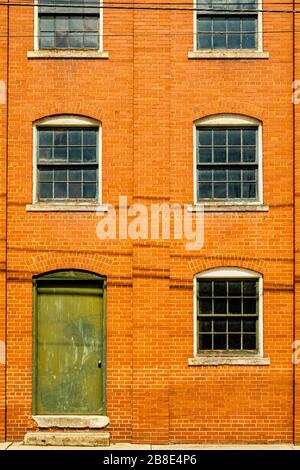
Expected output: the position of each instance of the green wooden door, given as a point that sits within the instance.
(68, 347)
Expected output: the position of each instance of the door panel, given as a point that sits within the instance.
(69, 320)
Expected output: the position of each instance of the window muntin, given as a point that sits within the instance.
(67, 163)
(68, 27)
(227, 163)
(230, 25)
(227, 314)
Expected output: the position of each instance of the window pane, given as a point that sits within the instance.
(75, 40)
(234, 39)
(234, 190)
(249, 154)
(219, 191)
(75, 175)
(90, 23)
(61, 40)
(205, 24)
(235, 288)
(205, 342)
(47, 40)
(234, 341)
(220, 306)
(219, 137)
(90, 40)
(234, 325)
(75, 154)
(205, 306)
(234, 137)
(249, 175)
(249, 190)
(75, 137)
(205, 41)
(206, 325)
(220, 175)
(249, 341)
(249, 326)
(249, 288)
(45, 153)
(234, 306)
(46, 175)
(60, 153)
(60, 190)
(249, 306)
(90, 137)
(249, 137)
(74, 190)
(220, 154)
(89, 154)
(205, 175)
(76, 24)
(60, 175)
(61, 23)
(205, 137)
(220, 288)
(45, 137)
(220, 341)
(89, 190)
(89, 175)
(220, 325)
(60, 137)
(234, 154)
(205, 288)
(234, 175)
(205, 190)
(46, 190)
(47, 23)
(205, 154)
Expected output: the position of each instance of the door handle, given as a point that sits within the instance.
(99, 364)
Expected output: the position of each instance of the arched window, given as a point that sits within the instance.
(228, 312)
(228, 160)
(67, 160)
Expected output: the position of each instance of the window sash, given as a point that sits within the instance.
(62, 179)
(226, 334)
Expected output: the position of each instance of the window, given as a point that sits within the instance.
(228, 310)
(228, 160)
(67, 160)
(68, 27)
(227, 25)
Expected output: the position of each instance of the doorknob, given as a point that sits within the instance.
(99, 364)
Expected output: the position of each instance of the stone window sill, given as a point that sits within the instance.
(71, 421)
(228, 207)
(229, 361)
(55, 207)
(67, 54)
(228, 54)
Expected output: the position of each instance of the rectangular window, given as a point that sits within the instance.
(67, 163)
(227, 315)
(68, 27)
(228, 25)
(227, 163)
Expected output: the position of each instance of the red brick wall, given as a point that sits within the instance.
(147, 95)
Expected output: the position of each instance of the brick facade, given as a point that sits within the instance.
(147, 95)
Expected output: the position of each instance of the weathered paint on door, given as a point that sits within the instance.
(68, 347)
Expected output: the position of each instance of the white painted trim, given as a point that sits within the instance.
(67, 54)
(64, 121)
(228, 120)
(231, 273)
(36, 30)
(259, 32)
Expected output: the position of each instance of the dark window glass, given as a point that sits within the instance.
(227, 314)
(67, 163)
(227, 163)
(65, 25)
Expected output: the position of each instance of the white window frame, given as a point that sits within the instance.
(227, 120)
(65, 51)
(65, 121)
(231, 273)
(259, 32)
